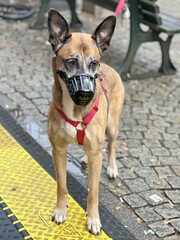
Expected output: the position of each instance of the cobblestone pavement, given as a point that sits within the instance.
(146, 195)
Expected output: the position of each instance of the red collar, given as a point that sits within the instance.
(86, 120)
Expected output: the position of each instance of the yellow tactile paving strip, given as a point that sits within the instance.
(30, 192)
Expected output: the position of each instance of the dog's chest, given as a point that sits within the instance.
(69, 131)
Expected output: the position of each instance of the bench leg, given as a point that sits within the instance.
(75, 22)
(167, 67)
(125, 69)
(38, 24)
(137, 37)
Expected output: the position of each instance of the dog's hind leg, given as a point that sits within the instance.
(60, 162)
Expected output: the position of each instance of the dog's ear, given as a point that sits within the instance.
(58, 28)
(103, 33)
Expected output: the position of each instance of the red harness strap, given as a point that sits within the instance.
(81, 132)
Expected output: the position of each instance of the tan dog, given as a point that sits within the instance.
(76, 64)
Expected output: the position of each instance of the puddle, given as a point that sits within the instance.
(40, 135)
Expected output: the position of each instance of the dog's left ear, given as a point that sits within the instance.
(103, 33)
(58, 28)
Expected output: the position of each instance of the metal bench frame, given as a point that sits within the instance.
(163, 23)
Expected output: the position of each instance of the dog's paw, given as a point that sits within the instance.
(59, 215)
(94, 225)
(112, 172)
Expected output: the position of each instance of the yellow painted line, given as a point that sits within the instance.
(30, 192)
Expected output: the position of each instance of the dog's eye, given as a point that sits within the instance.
(71, 62)
(94, 64)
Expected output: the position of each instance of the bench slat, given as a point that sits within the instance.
(149, 6)
(168, 18)
(168, 24)
(151, 18)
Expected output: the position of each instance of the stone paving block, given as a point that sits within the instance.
(130, 162)
(135, 152)
(150, 161)
(140, 128)
(145, 172)
(173, 137)
(159, 112)
(174, 182)
(161, 122)
(144, 122)
(162, 229)
(157, 183)
(148, 215)
(119, 191)
(176, 224)
(45, 94)
(175, 152)
(126, 173)
(170, 144)
(134, 135)
(169, 161)
(6, 103)
(167, 211)
(137, 185)
(135, 201)
(22, 88)
(173, 195)
(41, 101)
(153, 197)
(15, 97)
(43, 109)
(131, 143)
(164, 172)
(176, 169)
(151, 143)
(153, 135)
(32, 95)
(173, 237)
(159, 152)
(173, 130)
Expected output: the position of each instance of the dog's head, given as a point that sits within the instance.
(78, 54)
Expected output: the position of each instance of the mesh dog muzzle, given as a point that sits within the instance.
(81, 87)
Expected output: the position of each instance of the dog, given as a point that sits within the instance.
(87, 98)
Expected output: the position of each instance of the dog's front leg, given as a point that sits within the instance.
(60, 162)
(94, 170)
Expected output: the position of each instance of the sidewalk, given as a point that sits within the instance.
(146, 196)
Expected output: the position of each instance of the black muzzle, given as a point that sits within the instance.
(81, 87)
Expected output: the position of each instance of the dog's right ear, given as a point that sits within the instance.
(58, 28)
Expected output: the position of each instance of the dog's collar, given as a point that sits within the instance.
(86, 120)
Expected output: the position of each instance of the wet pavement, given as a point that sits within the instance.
(146, 195)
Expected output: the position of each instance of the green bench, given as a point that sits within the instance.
(148, 12)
